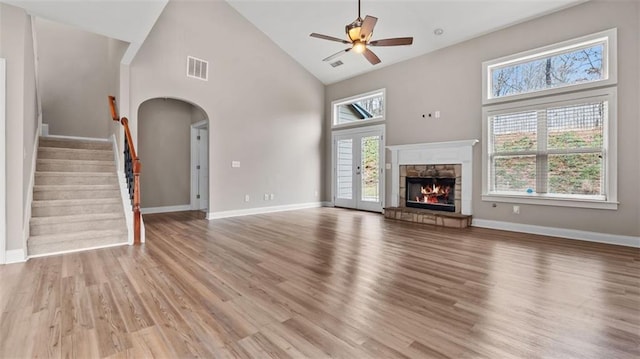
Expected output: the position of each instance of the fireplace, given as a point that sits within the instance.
(417, 169)
(431, 193)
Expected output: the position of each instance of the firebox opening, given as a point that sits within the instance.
(431, 193)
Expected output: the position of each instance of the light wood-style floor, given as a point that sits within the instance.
(324, 283)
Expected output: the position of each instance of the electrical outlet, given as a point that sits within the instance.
(235, 164)
(272, 196)
(387, 166)
(247, 198)
(437, 114)
(266, 196)
(516, 209)
(315, 194)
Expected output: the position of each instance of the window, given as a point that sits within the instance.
(572, 65)
(359, 109)
(556, 149)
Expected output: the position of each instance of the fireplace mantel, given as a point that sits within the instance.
(436, 153)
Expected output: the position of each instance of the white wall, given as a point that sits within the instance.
(449, 80)
(264, 109)
(164, 145)
(77, 71)
(21, 115)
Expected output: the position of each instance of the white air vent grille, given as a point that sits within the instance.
(197, 68)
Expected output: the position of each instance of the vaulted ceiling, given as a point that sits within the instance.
(288, 23)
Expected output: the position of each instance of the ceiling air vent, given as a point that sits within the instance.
(337, 63)
(197, 68)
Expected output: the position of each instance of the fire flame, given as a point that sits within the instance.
(431, 193)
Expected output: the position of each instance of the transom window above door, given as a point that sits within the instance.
(367, 107)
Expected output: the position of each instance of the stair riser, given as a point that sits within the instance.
(74, 167)
(71, 194)
(55, 211)
(44, 180)
(97, 145)
(54, 228)
(52, 153)
(36, 248)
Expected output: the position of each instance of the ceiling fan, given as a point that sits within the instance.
(359, 37)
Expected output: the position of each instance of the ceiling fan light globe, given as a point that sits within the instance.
(353, 30)
(359, 47)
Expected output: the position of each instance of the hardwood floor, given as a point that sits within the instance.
(325, 283)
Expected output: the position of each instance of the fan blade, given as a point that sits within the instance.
(367, 26)
(337, 54)
(330, 38)
(398, 41)
(373, 59)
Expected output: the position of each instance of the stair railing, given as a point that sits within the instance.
(132, 168)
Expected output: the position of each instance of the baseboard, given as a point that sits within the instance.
(327, 204)
(262, 210)
(15, 256)
(629, 241)
(166, 209)
(81, 138)
(79, 250)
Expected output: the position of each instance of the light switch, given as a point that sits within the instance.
(235, 164)
(387, 166)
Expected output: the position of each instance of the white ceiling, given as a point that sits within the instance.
(126, 20)
(289, 22)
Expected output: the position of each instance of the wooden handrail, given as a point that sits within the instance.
(132, 167)
(114, 110)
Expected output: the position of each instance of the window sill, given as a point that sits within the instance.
(550, 201)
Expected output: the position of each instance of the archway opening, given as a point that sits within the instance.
(174, 150)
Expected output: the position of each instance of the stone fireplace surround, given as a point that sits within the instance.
(446, 156)
(431, 171)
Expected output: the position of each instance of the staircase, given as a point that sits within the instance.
(76, 197)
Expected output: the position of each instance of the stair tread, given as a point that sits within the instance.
(61, 237)
(75, 174)
(76, 218)
(70, 149)
(65, 160)
(73, 202)
(67, 139)
(83, 187)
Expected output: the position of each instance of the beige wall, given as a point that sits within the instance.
(449, 80)
(264, 109)
(21, 115)
(77, 71)
(165, 151)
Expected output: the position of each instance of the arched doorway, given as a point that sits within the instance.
(174, 151)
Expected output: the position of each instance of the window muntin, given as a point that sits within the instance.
(551, 150)
(358, 109)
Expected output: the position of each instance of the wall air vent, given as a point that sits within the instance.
(337, 63)
(197, 68)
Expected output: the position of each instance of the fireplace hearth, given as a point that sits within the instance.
(432, 193)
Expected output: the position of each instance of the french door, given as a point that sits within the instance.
(357, 168)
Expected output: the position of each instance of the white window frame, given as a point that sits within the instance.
(605, 89)
(335, 104)
(609, 184)
(609, 66)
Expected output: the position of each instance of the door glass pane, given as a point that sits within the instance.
(344, 168)
(370, 147)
